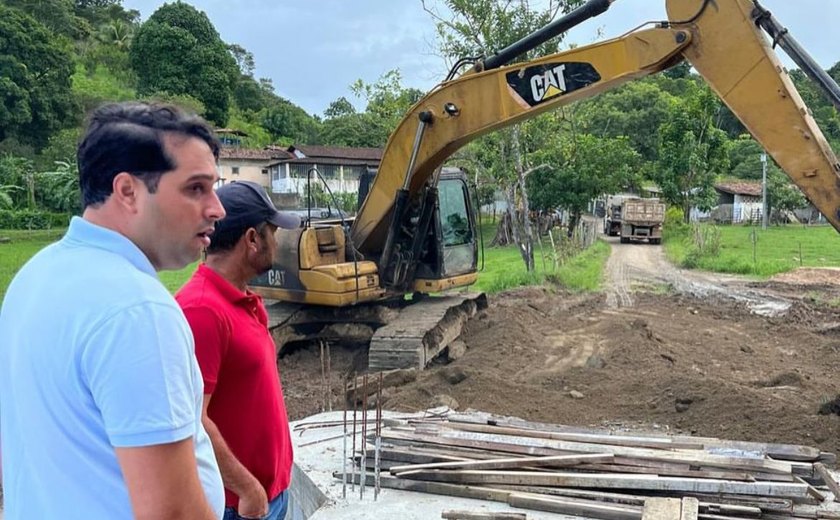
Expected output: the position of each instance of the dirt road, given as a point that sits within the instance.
(659, 349)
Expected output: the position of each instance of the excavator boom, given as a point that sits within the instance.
(415, 232)
(719, 38)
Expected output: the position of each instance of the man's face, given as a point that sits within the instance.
(267, 250)
(175, 222)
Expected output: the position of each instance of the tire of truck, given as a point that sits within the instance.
(655, 241)
(625, 240)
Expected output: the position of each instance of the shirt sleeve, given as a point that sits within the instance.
(140, 369)
(212, 336)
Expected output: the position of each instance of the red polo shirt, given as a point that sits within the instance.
(238, 362)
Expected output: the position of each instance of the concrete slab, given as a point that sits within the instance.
(313, 483)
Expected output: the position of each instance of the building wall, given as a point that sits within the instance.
(292, 178)
(244, 170)
(747, 208)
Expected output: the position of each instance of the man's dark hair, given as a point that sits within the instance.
(129, 137)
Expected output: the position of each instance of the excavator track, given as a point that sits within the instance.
(422, 330)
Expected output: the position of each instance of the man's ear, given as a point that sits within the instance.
(125, 190)
(251, 239)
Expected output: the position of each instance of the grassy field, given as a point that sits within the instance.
(753, 251)
(503, 267)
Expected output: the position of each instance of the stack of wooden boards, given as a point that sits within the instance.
(602, 474)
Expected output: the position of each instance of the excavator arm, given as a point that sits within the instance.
(720, 38)
(415, 228)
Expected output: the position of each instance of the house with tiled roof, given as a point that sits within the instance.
(248, 164)
(340, 167)
(738, 201)
(245, 164)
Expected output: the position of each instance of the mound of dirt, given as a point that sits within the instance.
(656, 361)
(670, 363)
(810, 276)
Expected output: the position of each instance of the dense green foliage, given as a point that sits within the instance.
(35, 70)
(178, 51)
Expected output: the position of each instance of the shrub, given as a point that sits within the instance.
(33, 219)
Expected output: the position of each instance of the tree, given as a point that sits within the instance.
(692, 152)
(35, 70)
(581, 168)
(58, 189)
(387, 102)
(339, 108)
(99, 12)
(56, 15)
(479, 28)
(178, 52)
(17, 176)
(782, 194)
(745, 158)
(288, 123)
(635, 110)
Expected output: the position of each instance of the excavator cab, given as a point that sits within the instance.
(450, 255)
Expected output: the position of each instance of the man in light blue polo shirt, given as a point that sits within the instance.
(100, 392)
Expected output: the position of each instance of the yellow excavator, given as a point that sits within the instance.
(415, 233)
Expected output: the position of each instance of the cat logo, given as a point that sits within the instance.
(549, 81)
(548, 84)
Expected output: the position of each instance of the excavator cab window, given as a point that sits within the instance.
(457, 227)
(454, 219)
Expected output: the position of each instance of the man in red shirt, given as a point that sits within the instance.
(244, 412)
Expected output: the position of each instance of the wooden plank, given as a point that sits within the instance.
(812, 491)
(520, 462)
(792, 452)
(713, 505)
(434, 488)
(455, 514)
(574, 507)
(662, 509)
(611, 481)
(665, 471)
(503, 443)
(595, 438)
(690, 508)
(828, 479)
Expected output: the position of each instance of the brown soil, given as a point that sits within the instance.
(646, 354)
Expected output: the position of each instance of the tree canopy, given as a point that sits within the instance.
(178, 51)
(35, 70)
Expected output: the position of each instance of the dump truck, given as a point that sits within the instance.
(612, 220)
(641, 219)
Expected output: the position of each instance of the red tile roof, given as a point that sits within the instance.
(254, 154)
(338, 152)
(751, 188)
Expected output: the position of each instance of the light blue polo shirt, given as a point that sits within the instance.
(94, 353)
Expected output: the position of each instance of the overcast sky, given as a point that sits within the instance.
(314, 49)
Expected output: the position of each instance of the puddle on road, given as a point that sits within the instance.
(757, 303)
(770, 309)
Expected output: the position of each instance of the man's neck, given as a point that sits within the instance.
(231, 269)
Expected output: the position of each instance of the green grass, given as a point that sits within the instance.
(504, 268)
(173, 280)
(752, 251)
(22, 245)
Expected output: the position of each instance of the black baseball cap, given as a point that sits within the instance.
(247, 205)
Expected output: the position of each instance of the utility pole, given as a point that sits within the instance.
(764, 214)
